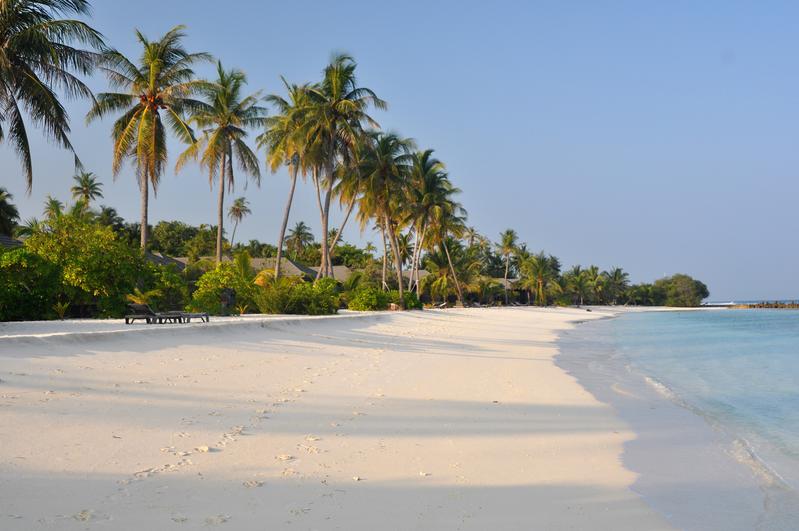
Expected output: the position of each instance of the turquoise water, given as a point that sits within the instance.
(737, 368)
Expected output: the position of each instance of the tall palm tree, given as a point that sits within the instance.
(508, 241)
(9, 215)
(237, 211)
(577, 283)
(86, 187)
(38, 60)
(333, 120)
(225, 115)
(53, 207)
(539, 275)
(285, 145)
(448, 224)
(386, 170)
(157, 89)
(299, 238)
(616, 281)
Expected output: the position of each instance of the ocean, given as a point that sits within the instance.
(731, 378)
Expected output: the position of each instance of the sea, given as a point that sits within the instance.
(713, 396)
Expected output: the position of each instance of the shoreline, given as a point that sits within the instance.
(690, 468)
(457, 419)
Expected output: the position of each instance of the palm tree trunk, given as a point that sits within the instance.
(233, 236)
(343, 224)
(318, 187)
(325, 266)
(454, 275)
(220, 216)
(413, 257)
(385, 258)
(419, 259)
(397, 261)
(507, 266)
(144, 204)
(286, 211)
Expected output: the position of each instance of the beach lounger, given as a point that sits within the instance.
(441, 306)
(145, 313)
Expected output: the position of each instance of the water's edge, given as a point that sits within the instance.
(689, 470)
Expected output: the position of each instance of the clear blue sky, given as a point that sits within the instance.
(657, 136)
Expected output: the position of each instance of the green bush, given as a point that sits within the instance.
(173, 291)
(97, 268)
(411, 300)
(210, 286)
(369, 298)
(29, 285)
(290, 295)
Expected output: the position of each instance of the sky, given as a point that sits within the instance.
(656, 136)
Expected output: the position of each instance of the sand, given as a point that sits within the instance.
(455, 419)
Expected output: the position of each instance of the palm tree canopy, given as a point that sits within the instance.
(162, 82)
(9, 215)
(299, 237)
(508, 241)
(86, 187)
(39, 58)
(239, 209)
(224, 115)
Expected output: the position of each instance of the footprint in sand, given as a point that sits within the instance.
(252, 483)
(218, 519)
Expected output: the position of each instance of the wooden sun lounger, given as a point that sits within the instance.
(145, 313)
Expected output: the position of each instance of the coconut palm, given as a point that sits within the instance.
(86, 187)
(156, 89)
(238, 211)
(616, 282)
(9, 215)
(332, 121)
(448, 223)
(225, 114)
(430, 190)
(506, 247)
(577, 283)
(299, 238)
(539, 274)
(284, 144)
(385, 172)
(29, 227)
(53, 207)
(38, 60)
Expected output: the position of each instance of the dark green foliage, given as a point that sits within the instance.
(171, 237)
(411, 300)
(369, 298)
(171, 286)
(291, 295)
(682, 291)
(211, 286)
(98, 269)
(29, 286)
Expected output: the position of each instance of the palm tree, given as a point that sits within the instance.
(616, 282)
(284, 144)
(86, 187)
(596, 284)
(225, 116)
(386, 170)
(539, 275)
(332, 121)
(237, 211)
(109, 217)
(53, 207)
(577, 283)
(430, 191)
(448, 224)
(299, 238)
(9, 215)
(157, 89)
(38, 59)
(507, 246)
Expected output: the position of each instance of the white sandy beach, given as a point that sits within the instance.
(440, 420)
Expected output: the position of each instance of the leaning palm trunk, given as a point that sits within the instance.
(318, 187)
(337, 237)
(144, 202)
(286, 211)
(454, 275)
(419, 260)
(325, 265)
(221, 213)
(505, 285)
(385, 259)
(392, 234)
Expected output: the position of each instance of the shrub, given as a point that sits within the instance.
(173, 291)
(29, 285)
(411, 300)
(96, 266)
(290, 295)
(210, 288)
(368, 299)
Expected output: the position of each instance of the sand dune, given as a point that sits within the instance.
(452, 419)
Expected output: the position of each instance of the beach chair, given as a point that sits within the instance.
(441, 306)
(187, 317)
(145, 313)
